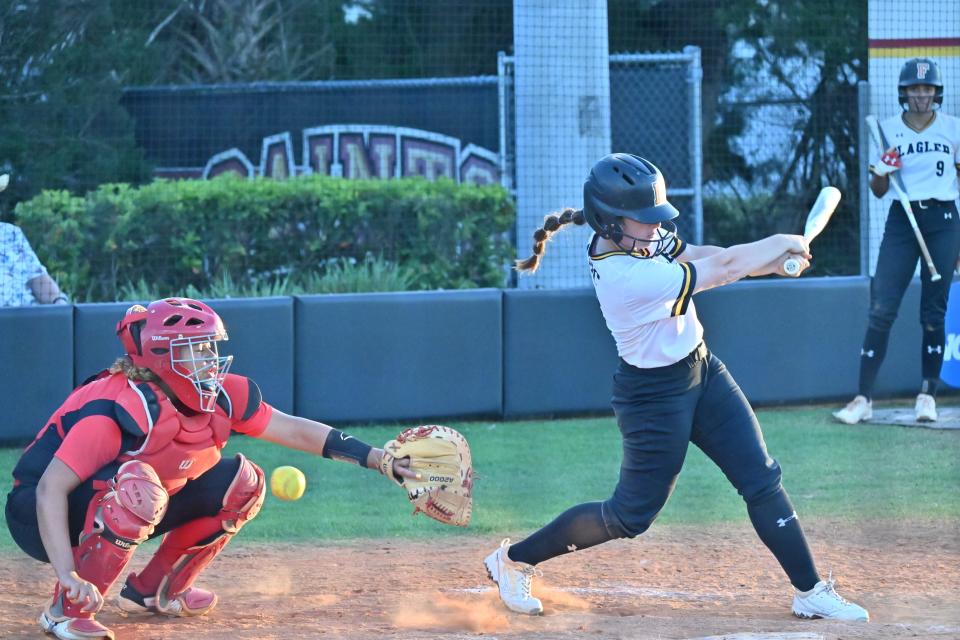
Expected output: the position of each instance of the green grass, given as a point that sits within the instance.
(529, 472)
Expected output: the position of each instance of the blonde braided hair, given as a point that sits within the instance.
(551, 224)
(125, 366)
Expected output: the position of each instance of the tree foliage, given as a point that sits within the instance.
(222, 41)
(62, 68)
(794, 61)
(64, 63)
(814, 54)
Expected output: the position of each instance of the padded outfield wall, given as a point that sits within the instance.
(485, 353)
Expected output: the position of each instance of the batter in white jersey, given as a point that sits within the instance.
(668, 391)
(647, 305)
(925, 151)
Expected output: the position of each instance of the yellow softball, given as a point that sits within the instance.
(287, 483)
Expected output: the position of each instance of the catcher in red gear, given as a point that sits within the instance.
(134, 453)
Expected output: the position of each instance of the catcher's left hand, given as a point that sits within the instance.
(442, 470)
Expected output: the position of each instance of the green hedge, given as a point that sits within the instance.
(171, 236)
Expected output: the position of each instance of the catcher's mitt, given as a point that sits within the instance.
(441, 457)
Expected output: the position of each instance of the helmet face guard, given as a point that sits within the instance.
(176, 339)
(198, 360)
(920, 71)
(621, 186)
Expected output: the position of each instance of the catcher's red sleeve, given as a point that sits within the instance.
(90, 445)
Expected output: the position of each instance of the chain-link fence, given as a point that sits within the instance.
(120, 93)
(666, 131)
(930, 32)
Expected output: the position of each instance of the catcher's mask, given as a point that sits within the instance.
(622, 185)
(176, 339)
(920, 71)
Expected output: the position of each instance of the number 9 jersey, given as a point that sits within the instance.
(930, 156)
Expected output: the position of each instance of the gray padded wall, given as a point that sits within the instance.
(261, 341)
(402, 356)
(95, 339)
(36, 366)
(784, 341)
(398, 356)
(787, 341)
(558, 356)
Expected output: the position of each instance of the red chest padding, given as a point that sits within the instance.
(182, 447)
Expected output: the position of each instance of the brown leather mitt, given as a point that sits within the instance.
(441, 457)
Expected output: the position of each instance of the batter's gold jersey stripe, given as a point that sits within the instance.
(602, 256)
(686, 289)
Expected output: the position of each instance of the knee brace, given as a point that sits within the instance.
(241, 502)
(119, 518)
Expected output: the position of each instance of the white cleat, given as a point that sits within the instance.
(857, 410)
(926, 408)
(54, 621)
(824, 602)
(514, 579)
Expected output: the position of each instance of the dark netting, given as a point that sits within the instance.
(749, 109)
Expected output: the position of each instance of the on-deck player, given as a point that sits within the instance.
(926, 151)
(134, 453)
(668, 390)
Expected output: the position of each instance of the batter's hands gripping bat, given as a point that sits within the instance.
(817, 220)
(896, 181)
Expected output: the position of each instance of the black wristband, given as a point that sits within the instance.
(340, 446)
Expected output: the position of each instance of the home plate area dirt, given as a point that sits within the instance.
(674, 582)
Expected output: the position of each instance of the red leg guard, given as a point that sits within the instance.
(118, 519)
(241, 502)
(54, 621)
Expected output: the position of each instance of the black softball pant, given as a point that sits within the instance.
(660, 412)
(897, 261)
(198, 498)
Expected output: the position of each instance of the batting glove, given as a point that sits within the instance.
(889, 162)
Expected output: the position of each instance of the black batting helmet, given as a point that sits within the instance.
(920, 71)
(622, 185)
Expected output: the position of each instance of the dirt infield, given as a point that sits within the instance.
(672, 582)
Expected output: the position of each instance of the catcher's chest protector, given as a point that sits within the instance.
(181, 447)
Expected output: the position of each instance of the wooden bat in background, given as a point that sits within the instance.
(817, 220)
(896, 181)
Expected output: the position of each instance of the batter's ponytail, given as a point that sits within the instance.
(551, 224)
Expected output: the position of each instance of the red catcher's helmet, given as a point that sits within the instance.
(176, 338)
